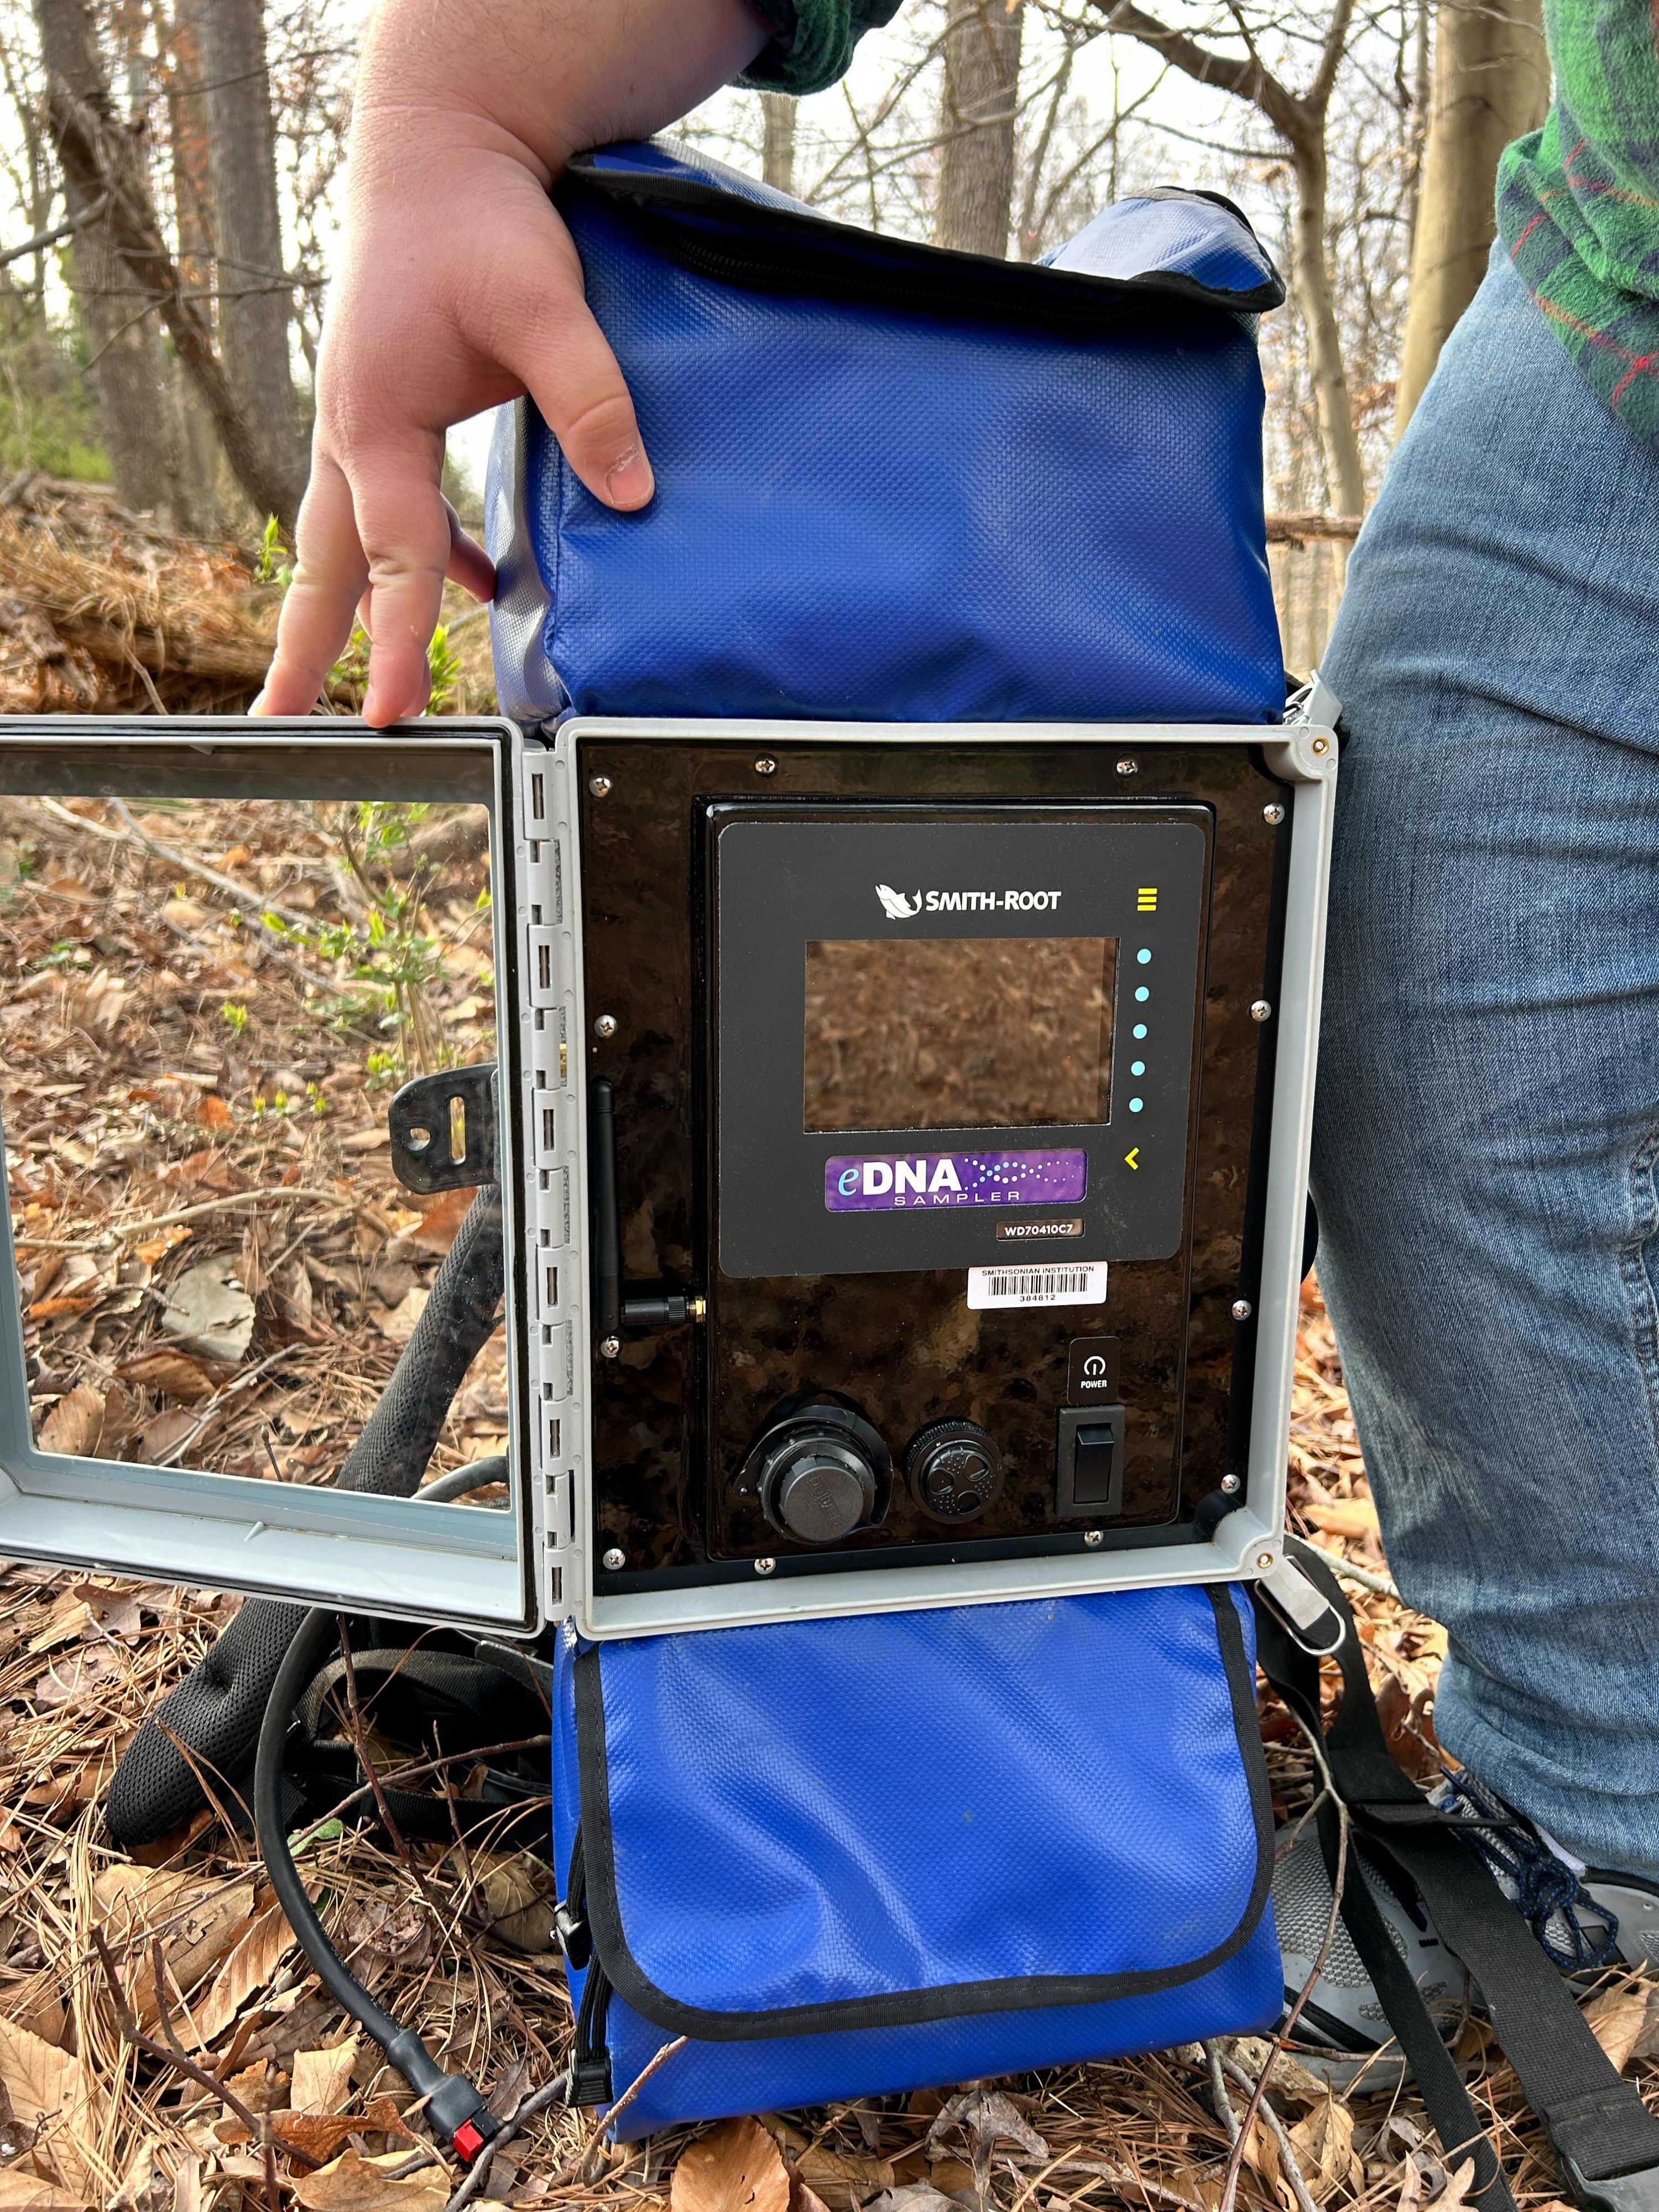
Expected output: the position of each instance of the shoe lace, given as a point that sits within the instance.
(1548, 1892)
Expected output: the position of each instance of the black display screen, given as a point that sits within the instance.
(957, 1032)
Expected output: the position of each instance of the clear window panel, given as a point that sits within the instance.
(967, 1033)
(206, 1006)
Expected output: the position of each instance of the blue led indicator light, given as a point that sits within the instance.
(1140, 1029)
(1145, 955)
(1135, 1105)
(1137, 1067)
(1142, 992)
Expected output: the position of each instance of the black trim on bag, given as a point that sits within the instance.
(904, 2007)
(731, 239)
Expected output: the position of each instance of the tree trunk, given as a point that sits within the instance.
(1310, 278)
(254, 302)
(1492, 83)
(129, 368)
(778, 146)
(976, 126)
(193, 215)
(97, 159)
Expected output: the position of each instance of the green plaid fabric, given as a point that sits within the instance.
(1578, 201)
(812, 40)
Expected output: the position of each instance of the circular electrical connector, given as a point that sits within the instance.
(953, 1469)
(821, 1474)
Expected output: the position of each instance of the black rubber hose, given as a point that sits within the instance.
(461, 1481)
(210, 1721)
(454, 2105)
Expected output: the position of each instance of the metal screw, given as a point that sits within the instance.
(1261, 1011)
(609, 1346)
(1128, 765)
(1273, 814)
(1264, 1560)
(1093, 1536)
(614, 1561)
(605, 1025)
(764, 1566)
(766, 765)
(1230, 1483)
(599, 786)
(1242, 1310)
(1322, 744)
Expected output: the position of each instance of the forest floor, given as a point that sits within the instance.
(199, 1017)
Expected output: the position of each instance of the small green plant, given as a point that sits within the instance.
(387, 955)
(381, 1070)
(235, 1017)
(273, 564)
(350, 670)
(445, 666)
(314, 1098)
(65, 953)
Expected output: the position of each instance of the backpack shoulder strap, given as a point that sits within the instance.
(1605, 2139)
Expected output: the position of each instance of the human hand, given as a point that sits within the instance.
(459, 289)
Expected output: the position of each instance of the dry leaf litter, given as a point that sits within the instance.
(218, 1270)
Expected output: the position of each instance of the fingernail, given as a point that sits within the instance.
(630, 483)
(258, 705)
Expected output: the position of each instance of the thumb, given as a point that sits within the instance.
(570, 372)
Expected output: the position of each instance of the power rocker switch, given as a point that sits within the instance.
(1089, 1463)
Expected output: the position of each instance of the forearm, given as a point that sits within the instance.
(459, 288)
(547, 77)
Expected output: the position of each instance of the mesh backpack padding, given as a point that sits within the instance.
(214, 1714)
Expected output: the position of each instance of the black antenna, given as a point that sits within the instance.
(607, 1227)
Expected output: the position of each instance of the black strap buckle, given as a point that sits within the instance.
(576, 1938)
(1637, 2192)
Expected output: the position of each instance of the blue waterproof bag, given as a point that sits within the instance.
(845, 1858)
(898, 483)
(854, 1856)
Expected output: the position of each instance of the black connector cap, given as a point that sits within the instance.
(589, 2080)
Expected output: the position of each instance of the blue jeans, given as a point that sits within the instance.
(1486, 1154)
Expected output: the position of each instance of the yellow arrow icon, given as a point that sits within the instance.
(1132, 1158)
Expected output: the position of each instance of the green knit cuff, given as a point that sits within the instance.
(813, 41)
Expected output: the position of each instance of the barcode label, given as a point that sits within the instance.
(1037, 1287)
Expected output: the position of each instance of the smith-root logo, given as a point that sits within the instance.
(905, 906)
(898, 906)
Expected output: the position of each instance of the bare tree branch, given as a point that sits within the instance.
(43, 239)
(99, 156)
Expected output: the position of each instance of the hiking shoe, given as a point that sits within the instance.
(1584, 1919)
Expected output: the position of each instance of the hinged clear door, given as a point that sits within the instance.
(259, 1331)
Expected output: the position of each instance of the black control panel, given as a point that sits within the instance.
(933, 1104)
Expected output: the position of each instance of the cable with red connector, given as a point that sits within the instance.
(454, 2106)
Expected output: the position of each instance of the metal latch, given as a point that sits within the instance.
(443, 1130)
(1308, 1617)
